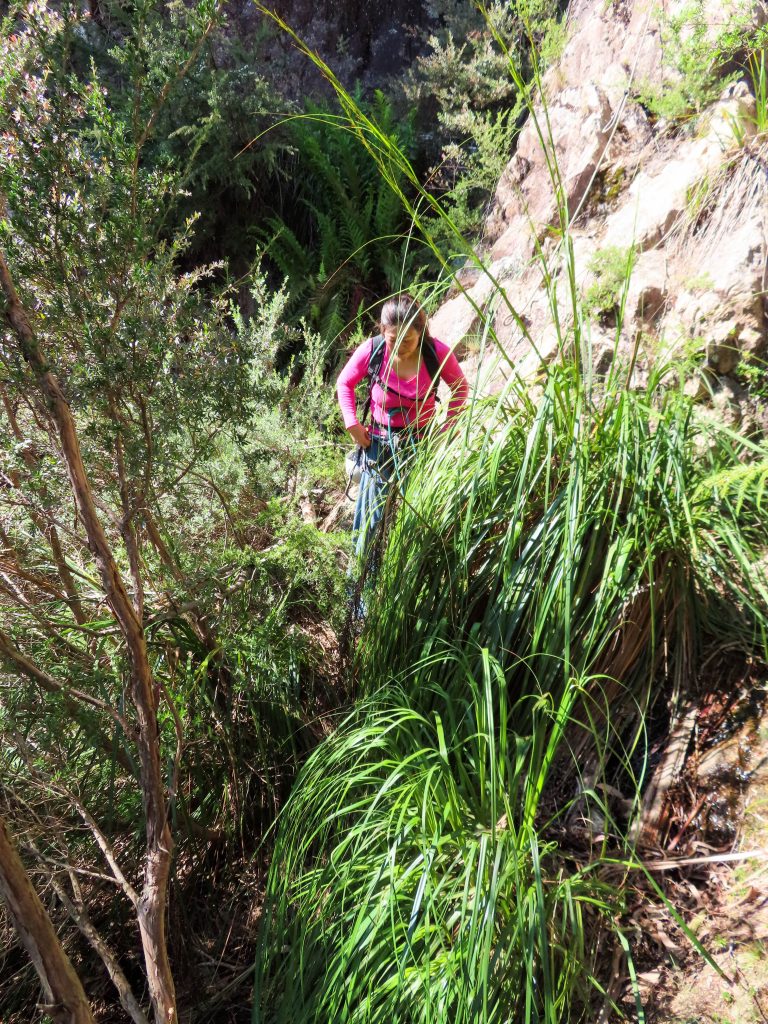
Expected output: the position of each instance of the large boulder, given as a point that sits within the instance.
(580, 124)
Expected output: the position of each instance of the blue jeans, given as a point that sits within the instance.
(378, 468)
(382, 463)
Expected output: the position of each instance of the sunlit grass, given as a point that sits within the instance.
(434, 900)
(550, 567)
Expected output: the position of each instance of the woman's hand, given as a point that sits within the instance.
(360, 435)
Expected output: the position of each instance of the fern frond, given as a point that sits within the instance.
(742, 485)
(287, 251)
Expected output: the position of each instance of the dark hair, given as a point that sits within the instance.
(404, 311)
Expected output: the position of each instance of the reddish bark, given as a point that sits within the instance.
(64, 994)
(48, 529)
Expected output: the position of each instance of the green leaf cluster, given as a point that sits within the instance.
(347, 243)
(611, 270)
(699, 60)
(470, 104)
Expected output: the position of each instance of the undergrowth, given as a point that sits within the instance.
(699, 61)
(457, 850)
(451, 852)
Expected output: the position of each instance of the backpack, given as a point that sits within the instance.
(375, 363)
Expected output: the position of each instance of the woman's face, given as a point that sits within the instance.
(404, 343)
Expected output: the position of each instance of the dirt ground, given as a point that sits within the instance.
(724, 904)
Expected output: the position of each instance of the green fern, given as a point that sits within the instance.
(743, 487)
(351, 239)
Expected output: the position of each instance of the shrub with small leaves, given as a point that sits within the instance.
(698, 58)
(470, 104)
(611, 269)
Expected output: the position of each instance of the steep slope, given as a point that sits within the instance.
(682, 201)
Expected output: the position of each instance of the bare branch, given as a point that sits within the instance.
(52, 785)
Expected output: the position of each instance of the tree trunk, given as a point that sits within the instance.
(67, 1002)
(159, 842)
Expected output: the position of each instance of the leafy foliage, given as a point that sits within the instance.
(464, 79)
(440, 856)
(350, 243)
(553, 567)
(437, 903)
(699, 63)
(425, 856)
(759, 76)
(466, 68)
(229, 184)
(611, 269)
(193, 447)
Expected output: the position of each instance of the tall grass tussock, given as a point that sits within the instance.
(450, 853)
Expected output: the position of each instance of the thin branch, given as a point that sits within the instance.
(9, 587)
(101, 840)
(164, 92)
(33, 671)
(79, 915)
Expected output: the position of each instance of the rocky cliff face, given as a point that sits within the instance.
(686, 204)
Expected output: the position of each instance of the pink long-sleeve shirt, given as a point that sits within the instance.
(415, 398)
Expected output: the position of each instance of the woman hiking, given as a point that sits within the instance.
(403, 366)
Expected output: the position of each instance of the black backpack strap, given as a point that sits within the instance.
(378, 349)
(432, 363)
(375, 362)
